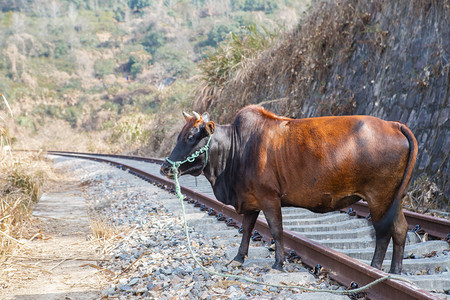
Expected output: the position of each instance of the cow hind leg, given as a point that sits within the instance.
(391, 223)
(382, 242)
(399, 232)
(248, 223)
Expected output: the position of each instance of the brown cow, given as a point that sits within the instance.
(264, 162)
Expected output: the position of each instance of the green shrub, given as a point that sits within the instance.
(107, 125)
(219, 32)
(137, 62)
(176, 61)
(138, 4)
(69, 114)
(66, 64)
(136, 68)
(61, 48)
(219, 65)
(268, 6)
(180, 94)
(72, 113)
(130, 130)
(88, 40)
(26, 122)
(103, 67)
(71, 84)
(111, 106)
(154, 39)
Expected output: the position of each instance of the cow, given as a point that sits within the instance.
(262, 162)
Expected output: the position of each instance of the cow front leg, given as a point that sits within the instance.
(248, 223)
(274, 218)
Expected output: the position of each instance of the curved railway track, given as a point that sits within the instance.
(338, 241)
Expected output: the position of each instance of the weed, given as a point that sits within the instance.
(130, 130)
(20, 189)
(230, 58)
(102, 229)
(4, 136)
(104, 67)
(424, 195)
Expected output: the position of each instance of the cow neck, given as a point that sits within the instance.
(220, 153)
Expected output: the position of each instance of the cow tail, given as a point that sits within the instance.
(385, 224)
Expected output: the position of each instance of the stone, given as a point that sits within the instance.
(297, 278)
(133, 281)
(124, 287)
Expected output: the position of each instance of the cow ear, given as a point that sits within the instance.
(186, 116)
(205, 117)
(210, 127)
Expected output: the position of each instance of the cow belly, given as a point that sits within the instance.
(322, 203)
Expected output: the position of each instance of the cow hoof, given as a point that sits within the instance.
(395, 271)
(235, 264)
(278, 267)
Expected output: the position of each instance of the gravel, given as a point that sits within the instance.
(151, 257)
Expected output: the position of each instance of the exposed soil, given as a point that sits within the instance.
(60, 261)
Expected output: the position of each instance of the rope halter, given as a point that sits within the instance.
(191, 158)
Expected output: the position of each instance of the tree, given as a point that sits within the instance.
(138, 4)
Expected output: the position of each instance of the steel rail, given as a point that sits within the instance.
(341, 268)
(434, 226)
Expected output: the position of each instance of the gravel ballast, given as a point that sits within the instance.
(151, 260)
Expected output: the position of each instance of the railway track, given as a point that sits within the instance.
(339, 241)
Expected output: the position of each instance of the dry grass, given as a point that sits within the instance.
(425, 195)
(329, 66)
(4, 136)
(23, 176)
(298, 64)
(105, 234)
(230, 61)
(102, 230)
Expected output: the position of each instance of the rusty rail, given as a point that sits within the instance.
(342, 268)
(434, 226)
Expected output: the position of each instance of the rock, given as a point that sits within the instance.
(133, 281)
(124, 287)
(297, 278)
(322, 295)
(204, 295)
(124, 256)
(167, 270)
(189, 269)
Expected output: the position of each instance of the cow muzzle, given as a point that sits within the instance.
(166, 170)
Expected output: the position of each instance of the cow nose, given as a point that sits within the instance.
(166, 170)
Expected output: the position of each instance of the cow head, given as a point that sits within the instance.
(194, 136)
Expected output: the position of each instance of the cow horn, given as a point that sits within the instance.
(186, 115)
(196, 115)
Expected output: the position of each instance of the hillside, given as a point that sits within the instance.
(111, 76)
(114, 76)
(378, 58)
